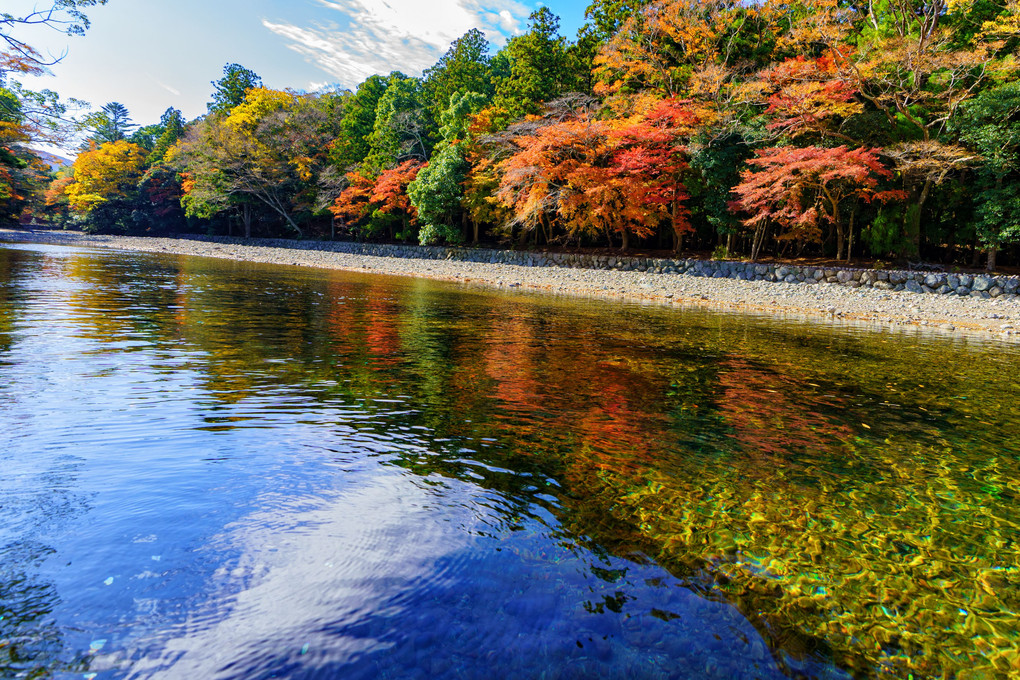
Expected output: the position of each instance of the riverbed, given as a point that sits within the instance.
(225, 469)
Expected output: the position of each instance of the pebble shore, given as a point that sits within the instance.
(995, 317)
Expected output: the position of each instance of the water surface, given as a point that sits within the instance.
(223, 470)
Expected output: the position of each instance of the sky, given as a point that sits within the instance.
(152, 54)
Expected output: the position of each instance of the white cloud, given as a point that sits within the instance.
(379, 36)
(175, 92)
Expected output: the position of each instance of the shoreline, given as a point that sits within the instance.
(991, 318)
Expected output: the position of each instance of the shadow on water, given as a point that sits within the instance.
(576, 488)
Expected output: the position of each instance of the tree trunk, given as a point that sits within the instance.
(246, 217)
(759, 237)
(914, 229)
(332, 229)
(992, 253)
(626, 241)
(293, 225)
(850, 235)
(729, 244)
(474, 224)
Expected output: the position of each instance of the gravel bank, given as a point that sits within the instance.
(998, 317)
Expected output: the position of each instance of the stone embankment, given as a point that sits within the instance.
(940, 283)
(955, 302)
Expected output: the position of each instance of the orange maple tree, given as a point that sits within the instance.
(804, 189)
(597, 177)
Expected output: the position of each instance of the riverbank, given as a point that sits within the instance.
(998, 316)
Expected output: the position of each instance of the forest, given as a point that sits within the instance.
(839, 129)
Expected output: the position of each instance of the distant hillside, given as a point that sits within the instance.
(54, 161)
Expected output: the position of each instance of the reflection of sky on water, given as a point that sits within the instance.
(395, 578)
(212, 470)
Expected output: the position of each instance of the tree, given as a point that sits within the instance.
(991, 125)
(539, 66)
(111, 123)
(437, 192)
(389, 198)
(802, 190)
(353, 144)
(106, 177)
(172, 125)
(596, 178)
(606, 17)
(404, 129)
(230, 90)
(268, 151)
(464, 68)
(63, 15)
(808, 97)
(352, 205)
(41, 114)
(662, 47)
(436, 196)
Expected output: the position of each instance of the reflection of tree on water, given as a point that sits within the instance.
(31, 644)
(705, 448)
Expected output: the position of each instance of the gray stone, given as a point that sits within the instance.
(953, 281)
(898, 277)
(818, 275)
(963, 291)
(995, 291)
(868, 278)
(932, 281)
(966, 280)
(790, 278)
(883, 285)
(783, 272)
(944, 290)
(982, 283)
(844, 276)
(1010, 286)
(913, 286)
(832, 279)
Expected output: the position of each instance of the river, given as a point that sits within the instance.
(214, 469)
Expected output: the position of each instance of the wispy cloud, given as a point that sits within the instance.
(379, 36)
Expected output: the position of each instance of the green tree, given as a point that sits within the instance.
(464, 68)
(605, 17)
(991, 125)
(437, 193)
(229, 91)
(404, 129)
(539, 66)
(172, 125)
(352, 144)
(112, 123)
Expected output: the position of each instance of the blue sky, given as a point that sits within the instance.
(152, 54)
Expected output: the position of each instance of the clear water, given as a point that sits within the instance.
(218, 470)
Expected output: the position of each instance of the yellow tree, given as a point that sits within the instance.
(266, 151)
(104, 174)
